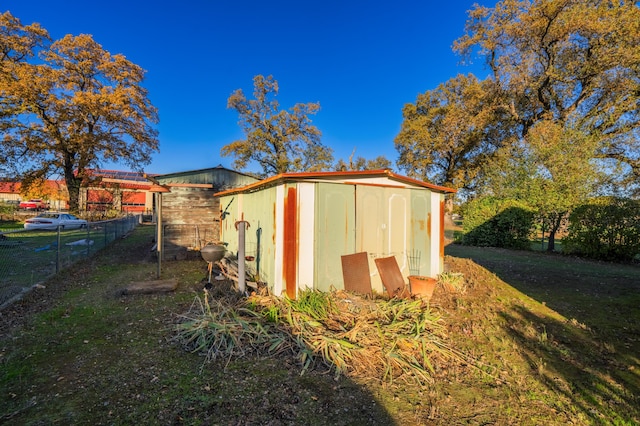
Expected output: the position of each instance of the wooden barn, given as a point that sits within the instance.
(299, 225)
(190, 212)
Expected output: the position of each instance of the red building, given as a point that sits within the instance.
(111, 190)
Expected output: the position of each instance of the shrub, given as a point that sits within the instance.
(495, 222)
(608, 228)
(7, 208)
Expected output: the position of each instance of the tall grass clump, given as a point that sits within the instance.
(383, 339)
(218, 329)
(453, 282)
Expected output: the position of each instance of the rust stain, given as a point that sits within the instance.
(421, 224)
(290, 249)
(442, 229)
(273, 236)
(429, 225)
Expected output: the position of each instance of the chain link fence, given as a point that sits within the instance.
(29, 257)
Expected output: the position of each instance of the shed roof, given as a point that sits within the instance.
(343, 176)
(219, 167)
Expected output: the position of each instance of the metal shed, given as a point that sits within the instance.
(300, 224)
(190, 211)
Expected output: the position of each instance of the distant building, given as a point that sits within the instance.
(53, 191)
(117, 190)
(190, 212)
(110, 190)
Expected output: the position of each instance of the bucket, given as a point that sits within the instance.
(422, 286)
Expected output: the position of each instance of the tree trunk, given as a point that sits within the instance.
(73, 186)
(555, 225)
(552, 241)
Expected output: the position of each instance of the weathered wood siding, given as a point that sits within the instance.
(191, 214)
(190, 218)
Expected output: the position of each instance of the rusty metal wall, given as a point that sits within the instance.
(346, 218)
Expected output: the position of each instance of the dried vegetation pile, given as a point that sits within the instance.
(389, 340)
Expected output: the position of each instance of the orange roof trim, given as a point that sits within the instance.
(283, 177)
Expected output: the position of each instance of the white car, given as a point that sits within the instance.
(51, 221)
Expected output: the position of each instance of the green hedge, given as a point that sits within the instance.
(607, 228)
(495, 222)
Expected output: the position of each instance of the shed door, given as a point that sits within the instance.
(419, 253)
(335, 232)
(382, 227)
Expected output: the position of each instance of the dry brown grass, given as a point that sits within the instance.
(386, 340)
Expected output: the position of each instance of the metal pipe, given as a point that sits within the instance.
(241, 256)
(258, 255)
(159, 232)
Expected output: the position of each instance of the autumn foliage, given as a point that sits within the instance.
(68, 106)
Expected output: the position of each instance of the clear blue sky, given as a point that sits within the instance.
(361, 60)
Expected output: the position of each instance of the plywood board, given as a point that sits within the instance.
(391, 276)
(355, 272)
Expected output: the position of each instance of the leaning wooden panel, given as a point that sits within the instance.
(391, 276)
(355, 273)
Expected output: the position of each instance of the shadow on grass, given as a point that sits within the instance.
(78, 352)
(590, 351)
(586, 369)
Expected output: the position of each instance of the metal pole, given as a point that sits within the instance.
(240, 225)
(88, 242)
(258, 249)
(159, 241)
(58, 252)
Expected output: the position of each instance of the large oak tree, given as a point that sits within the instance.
(575, 63)
(279, 141)
(449, 132)
(74, 108)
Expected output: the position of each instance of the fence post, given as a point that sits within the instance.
(58, 248)
(88, 241)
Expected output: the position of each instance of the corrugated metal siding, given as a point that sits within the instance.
(418, 251)
(347, 218)
(382, 226)
(334, 231)
(219, 177)
(258, 210)
(227, 229)
(290, 241)
(398, 225)
(306, 235)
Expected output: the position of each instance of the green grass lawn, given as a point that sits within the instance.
(30, 257)
(585, 314)
(549, 340)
